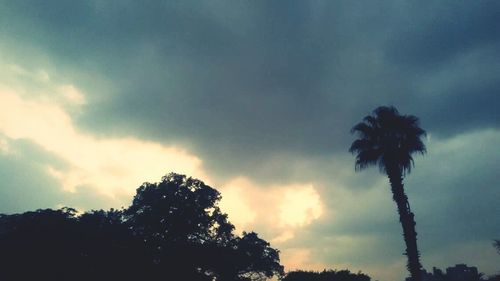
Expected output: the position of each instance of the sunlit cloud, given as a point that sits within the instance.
(301, 258)
(279, 209)
(113, 166)
(240, 212)
(300, 206)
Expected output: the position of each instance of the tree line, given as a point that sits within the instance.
(173, 230)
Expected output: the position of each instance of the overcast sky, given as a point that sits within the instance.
(257, 98)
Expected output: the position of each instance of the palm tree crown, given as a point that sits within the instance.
(387, 139)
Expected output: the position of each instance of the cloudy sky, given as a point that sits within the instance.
(257, 99)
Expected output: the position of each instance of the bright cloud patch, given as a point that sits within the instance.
(241, 214)
(300, 206)
(276, 210)
(301, 258)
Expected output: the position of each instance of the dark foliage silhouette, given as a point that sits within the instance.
(495, 277)
(173, 230)
(326, 275)
(55, 245)
(388, 139)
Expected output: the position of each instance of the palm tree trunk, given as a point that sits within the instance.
(407, 220)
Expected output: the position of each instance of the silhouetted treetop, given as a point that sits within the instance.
(387, 139)
(178, 209)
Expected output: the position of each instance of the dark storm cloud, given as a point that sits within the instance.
(444, 38)
(238, 81)
(259, 75)
(458, 189)
(441, 31)
(472, 106)
(273, 76)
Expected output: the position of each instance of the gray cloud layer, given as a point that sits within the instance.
(246, 79)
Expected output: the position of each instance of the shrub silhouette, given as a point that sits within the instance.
(174, 230)
(326, 275)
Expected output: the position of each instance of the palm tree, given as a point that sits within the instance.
(496, 244)
(388, 140)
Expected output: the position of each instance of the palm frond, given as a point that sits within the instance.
(362, 129)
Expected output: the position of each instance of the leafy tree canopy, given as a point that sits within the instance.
(174, 230)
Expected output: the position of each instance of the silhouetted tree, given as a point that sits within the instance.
(58, 245)
(478, 277)
(388, 139)
(27, 241)
(325, 275)
(182, 226)
(496, 277)
(108, 248)
(173, 230)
